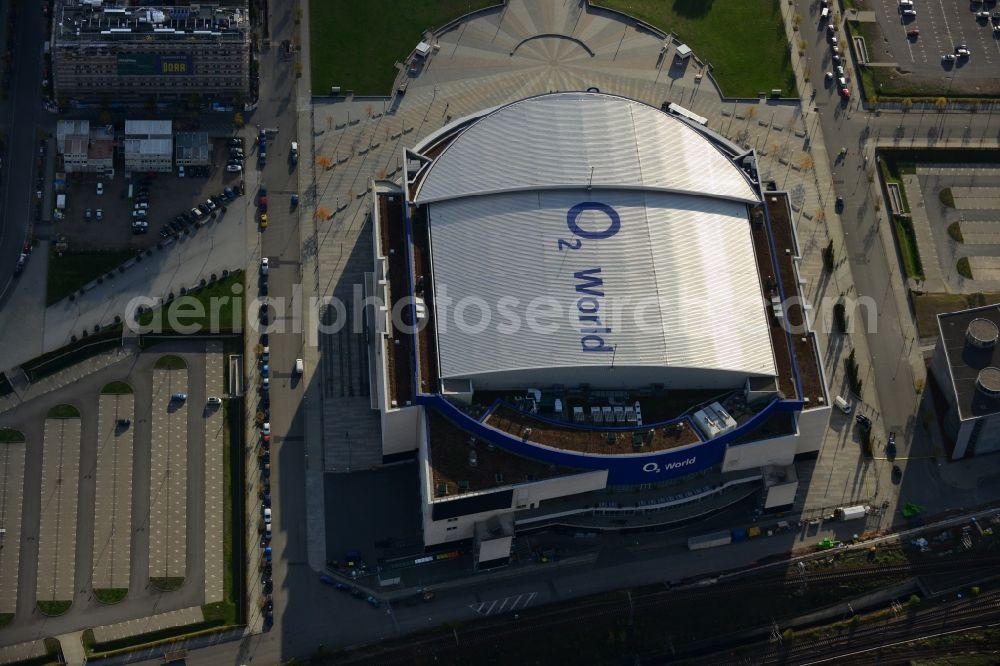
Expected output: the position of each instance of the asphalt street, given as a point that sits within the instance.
(22, 115)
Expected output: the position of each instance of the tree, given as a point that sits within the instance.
(238, 120)
(907, 104)
(324, 162)
(323, 214)
(105, 118)
(807, 163)
(940, 104)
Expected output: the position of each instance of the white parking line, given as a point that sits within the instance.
(507, 604)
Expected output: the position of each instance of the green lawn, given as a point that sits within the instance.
(355, 44)
(64, 412)
(111, 595)
(117, 388)
(744, 41)
(170, 362)
(215, 308)
(10, 435)
(71, 271)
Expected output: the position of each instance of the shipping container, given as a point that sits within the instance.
(739, 534)
(852, 512)
(709, 540)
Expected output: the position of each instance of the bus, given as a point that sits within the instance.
(678, 110)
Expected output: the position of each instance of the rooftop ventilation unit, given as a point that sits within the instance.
(982, 333)
(988, 382)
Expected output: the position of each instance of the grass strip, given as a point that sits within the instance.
(170, 362)
(53, 608)
(167, 584)
(963, 268)
(9, 435)
(907, 240)
(216, 307)
(117, 388)
(110, 595)
(70, 272)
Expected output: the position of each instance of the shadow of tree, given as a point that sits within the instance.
(693, 9)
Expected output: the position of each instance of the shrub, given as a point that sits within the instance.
(914, 600)
(974, 590)
(963, 268)
(946, 197)
(955, 231)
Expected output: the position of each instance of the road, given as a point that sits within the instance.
(874, 264)
(23, 111)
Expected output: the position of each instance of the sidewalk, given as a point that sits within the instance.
(312, 401)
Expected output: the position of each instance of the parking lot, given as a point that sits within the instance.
(168, 476)
(168, 196)
(113, 502)
(943, 26)
(11, 494)
(57, 531)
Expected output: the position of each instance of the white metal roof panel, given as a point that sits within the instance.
(678, 284)
(579, 140)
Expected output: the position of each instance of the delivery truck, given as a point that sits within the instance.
(852, 512)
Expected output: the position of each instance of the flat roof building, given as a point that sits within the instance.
(83, 149)
(966, 366)
(115, 52)
(192, 149)
(594, 294)
(148, 145)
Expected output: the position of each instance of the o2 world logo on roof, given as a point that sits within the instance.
(589, 283)
(656, 468)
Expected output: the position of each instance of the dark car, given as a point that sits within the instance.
(897, 473)
(263, 204)
(123, 423)
(268, 587)
(204, 209)
(840, 204)
(236, 142)
(263, 314)
(890, 447)
(864, 421)
(263, 339)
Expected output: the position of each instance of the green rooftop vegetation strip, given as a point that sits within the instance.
(355, 45)
(117, 388)
(111, 595)
(955, 231)
(215, 307)
(170, 362)
(908, 249)
(63, 412)
(718, 33)
(8, 435)
(53, 608)
(71, 271)
(963, 268)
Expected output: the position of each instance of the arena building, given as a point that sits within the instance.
(591, 317)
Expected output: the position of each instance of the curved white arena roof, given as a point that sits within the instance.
(649, 276)
(579, 139)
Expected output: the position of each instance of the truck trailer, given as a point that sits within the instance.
(852, 512)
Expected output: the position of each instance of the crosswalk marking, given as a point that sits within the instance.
(488, 607)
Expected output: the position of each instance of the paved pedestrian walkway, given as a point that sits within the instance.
(72, 649)
(168, 476)
(213, 506)
(13, 654)
(145, 625)
(934, 280)
(57, 529)
(11, 495)
(113, 501)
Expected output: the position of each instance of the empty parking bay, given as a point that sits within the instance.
(113, 502)
(168, 476)
(11, 491)
(57, 529)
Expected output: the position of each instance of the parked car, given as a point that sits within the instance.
(100, 187)
(962, 51)
(179, 397)
(909, 13)
(262, 204)
(267, 554)
(195, 214)
(864, 421)
(87, 214)
(210, 204)
(890, 447)
(295, 200)
(215, 401)
(373, 601)
(266, 429)
(99, 214)
(234, 168)
(236, 142)
(263, 265)
(263, 220)
(123, 423)
(839, 204)
(266, 511)
(948, 57)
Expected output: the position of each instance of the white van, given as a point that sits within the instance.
(842, 404)
(825, 14)
(299, 366)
